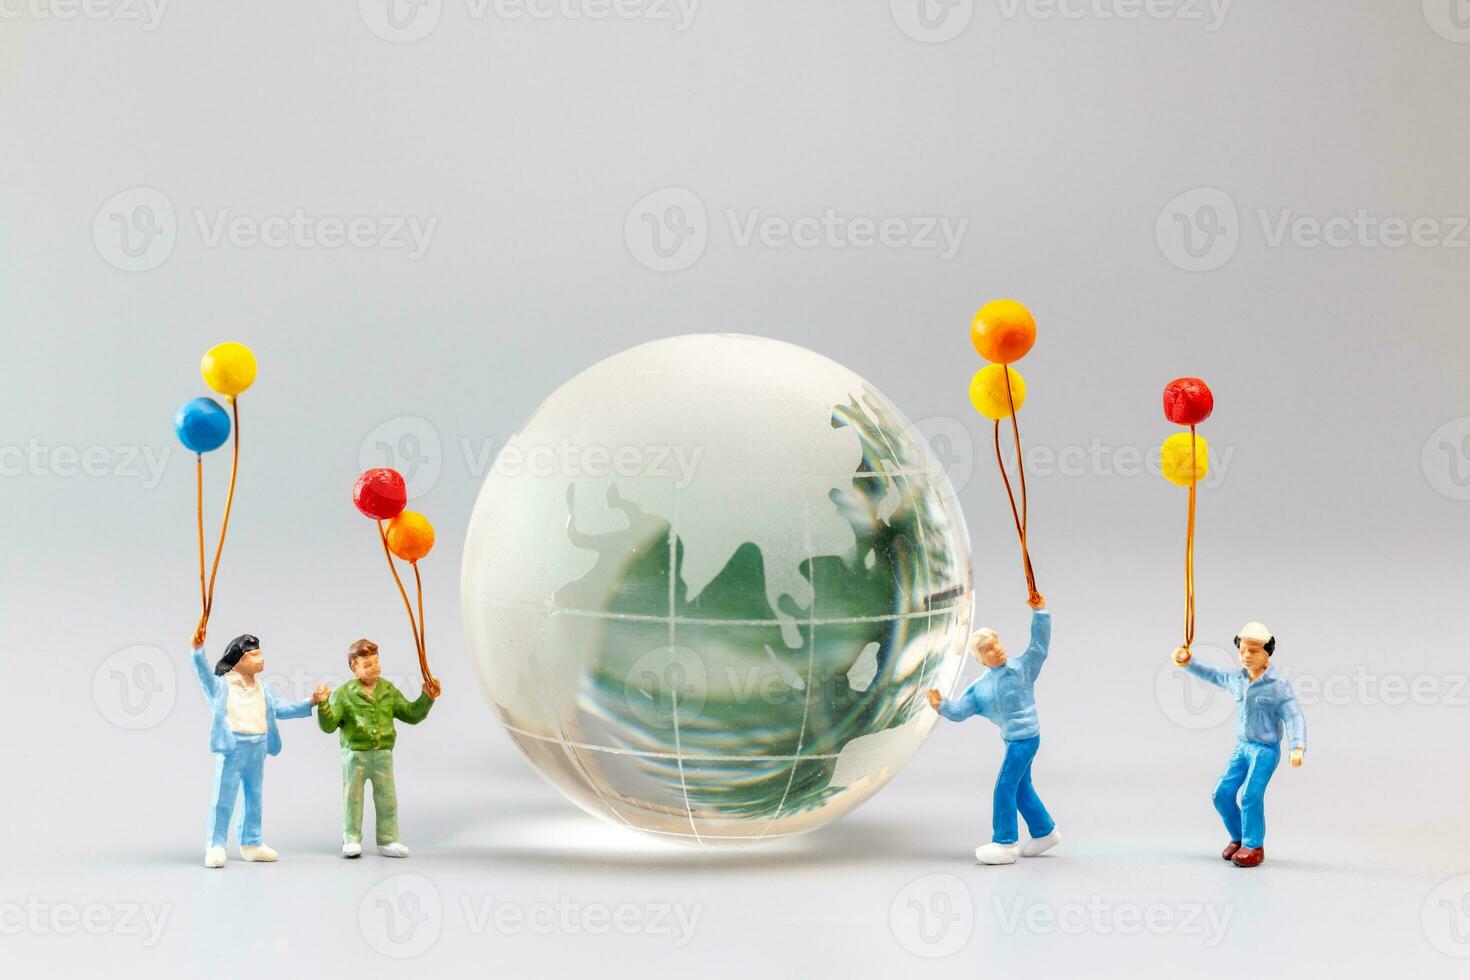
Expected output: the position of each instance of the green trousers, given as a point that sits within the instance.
(374, 766)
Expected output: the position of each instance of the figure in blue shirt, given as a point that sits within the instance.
(242, 732)
(1265, 709)
(1005, 693)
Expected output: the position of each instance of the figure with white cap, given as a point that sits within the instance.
(1266, 710)
(1006, 694)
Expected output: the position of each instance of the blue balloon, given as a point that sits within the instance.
(202, 425)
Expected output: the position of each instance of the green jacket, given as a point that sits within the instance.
(367, 719)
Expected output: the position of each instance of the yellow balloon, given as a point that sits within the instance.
(1175, 459)
(988, 391)
(228, 368)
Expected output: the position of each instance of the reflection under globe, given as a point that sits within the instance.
(741, 653)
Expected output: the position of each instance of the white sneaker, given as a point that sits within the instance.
(258, 852)
(1040, 845)
(352, 849)
(214, 857)
(994, 853)
(393, 849)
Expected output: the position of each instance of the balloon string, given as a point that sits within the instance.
(388, 554)
(224, 526)
(423, 630)
(1189, 545)
(1021, 517)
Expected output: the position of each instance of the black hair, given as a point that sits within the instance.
(239, 646)
(1270, 644)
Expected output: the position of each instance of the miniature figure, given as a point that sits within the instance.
(365, 709)
(242, 733)
(1005, 693)
(1265, 707)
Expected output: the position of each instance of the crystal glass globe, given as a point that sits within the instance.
(707, 585)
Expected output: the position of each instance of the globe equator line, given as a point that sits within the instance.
(666, 755)
(702, 621)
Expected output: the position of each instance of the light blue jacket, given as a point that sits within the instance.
(1006, 695)
(1263, 709)
(217, 693)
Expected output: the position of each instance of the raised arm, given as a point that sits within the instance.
(208, 683)
(1210, 675)
(1040, 644)
(411, 712)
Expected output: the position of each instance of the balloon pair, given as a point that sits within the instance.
(1184, 461)
(381, 495)
(202, 424)
(1003, 332)
(1185, 456)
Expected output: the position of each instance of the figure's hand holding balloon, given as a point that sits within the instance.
(1037, 601)
(935, 698)
(198, 639)
(1298, 756)
(1182, 656)
(432, 688)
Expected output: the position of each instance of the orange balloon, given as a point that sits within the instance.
(1003, 331)
(410, 535)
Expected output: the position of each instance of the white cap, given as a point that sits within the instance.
(1255, 631)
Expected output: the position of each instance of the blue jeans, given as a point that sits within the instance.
(241, 769)
(1251, 766)
(1013, 791)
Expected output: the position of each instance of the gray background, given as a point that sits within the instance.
(1064, 141)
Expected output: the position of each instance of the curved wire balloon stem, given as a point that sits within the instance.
(423, 630)
(388, 554)
(1189, 545)
(1021, 517)
(224, 526)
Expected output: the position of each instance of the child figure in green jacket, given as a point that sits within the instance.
(365, 709)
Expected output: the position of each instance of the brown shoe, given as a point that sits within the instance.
(1249, 857)
(1230, 850)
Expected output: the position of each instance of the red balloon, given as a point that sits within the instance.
(380, 493)
(1188, 401)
